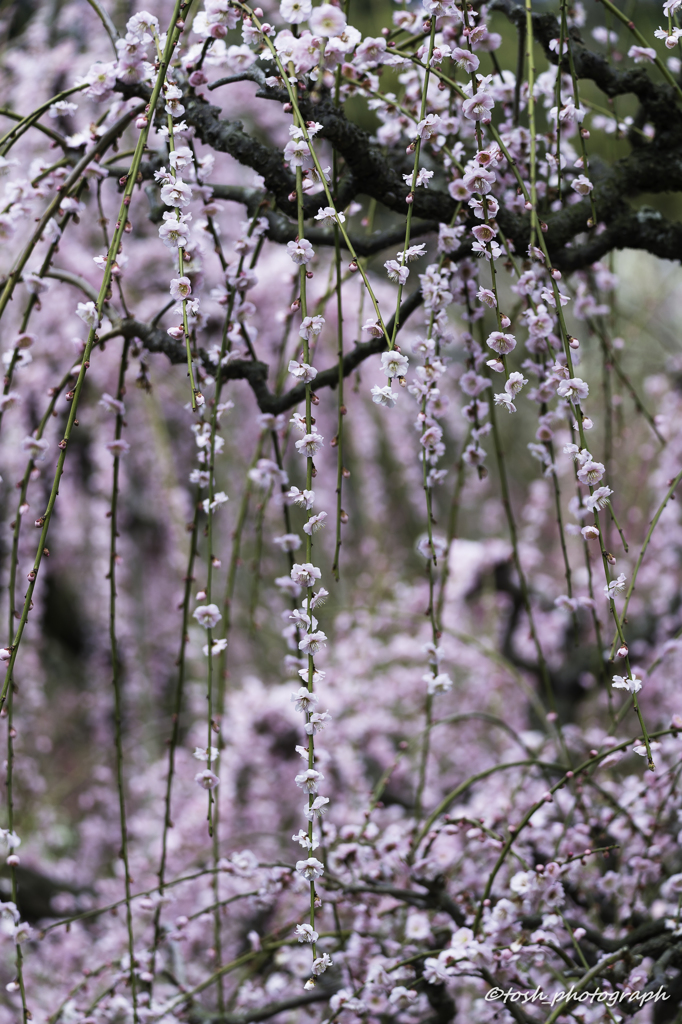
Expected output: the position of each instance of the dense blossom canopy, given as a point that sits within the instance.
(340, 551)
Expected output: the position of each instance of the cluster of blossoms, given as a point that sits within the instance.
(500, 835)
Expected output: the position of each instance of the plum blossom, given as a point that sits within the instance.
(207, 615)
(305, 574)
(306, 933)
(207, 779)
(305, 499)
(315, 523)
(394, 363)
(180, 288)
(591, 472)
(309, 444)
(297, 154)
(87, 311)
(506, 400)
(310, 869)
(396, 272)
(36, 447)
(515, 382)
(384, 396)
(478, 107)
(327, 21)
(465, 59)
(301, 252)
(440, 683)
(295, 12)
(642, 54)
(174, 232)
(313, 642)
(582, 185)
(320, 964)
(302, 371)
(413, 253)
(574, 389)
(176, 193)
(598, 499)
(501, 343)
(328, 216)
(615, 587)
(632, 684)
(431, 125)
(309, 780)
(112, 404)
(373, 327)
(118, 447)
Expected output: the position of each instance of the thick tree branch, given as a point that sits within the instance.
(644, 229)
(155, 339)
(659, 99)
(652, 167)
(318, 995)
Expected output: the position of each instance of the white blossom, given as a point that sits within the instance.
(633, 684)
(313, 642)
(207, 779)
(394, 363)
(208, 615)
(310, 869)
(384, 396)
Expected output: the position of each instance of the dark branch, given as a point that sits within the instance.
(305, 999)
(155, 339)
(654, 166)
(659, 99)
(644, 229)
